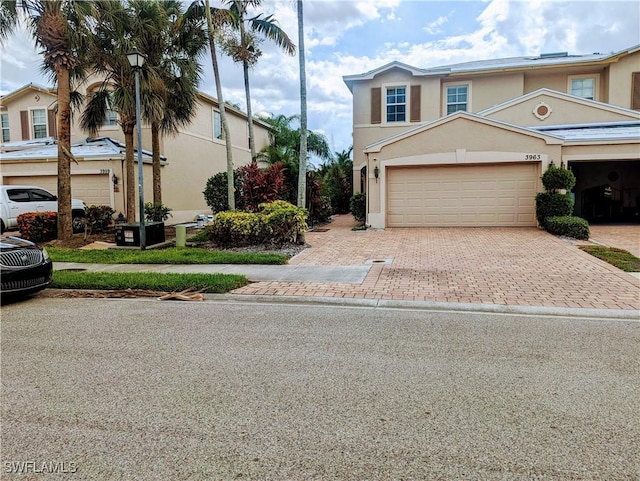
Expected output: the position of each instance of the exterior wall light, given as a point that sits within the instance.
(376, 172)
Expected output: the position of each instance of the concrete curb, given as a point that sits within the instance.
(617, 314)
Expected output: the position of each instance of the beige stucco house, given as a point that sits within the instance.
(28, 154)
(466, 144)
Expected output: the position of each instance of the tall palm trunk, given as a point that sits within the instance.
(65, 229)
(247, 91)
(130, 171)
(223, 117)
(157, 179)
(302, 172)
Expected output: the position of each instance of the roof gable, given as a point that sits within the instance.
(26, 89)
(560, 108)
(474, 118)
(350, 79)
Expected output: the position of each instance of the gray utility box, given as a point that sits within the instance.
(128, 235)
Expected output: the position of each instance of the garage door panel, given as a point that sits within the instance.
(93, 189)
(491, 195)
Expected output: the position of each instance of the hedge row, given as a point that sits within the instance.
(275, 223)
(569, 226)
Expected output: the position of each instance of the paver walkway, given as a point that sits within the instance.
(508, 266)
(625, 237)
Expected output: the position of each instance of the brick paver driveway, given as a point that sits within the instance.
(625, 237)
(509, 266)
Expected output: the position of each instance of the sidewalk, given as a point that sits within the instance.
(253, 272)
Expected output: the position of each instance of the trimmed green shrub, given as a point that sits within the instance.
(156, 212)
(556, 178)
(358, 206)
(283, 222)
(276, 223)
(234, 228)
(569, 226)
(38, 226)
(215, 192)
(552, 205)
(98, 217)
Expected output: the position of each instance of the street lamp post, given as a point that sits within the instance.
(136, 60)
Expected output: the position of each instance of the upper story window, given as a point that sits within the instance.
(585, 86)
(217, 125)
(111, 118)
(396, 104)
(5, 127)
(39, 123)
(457, 98)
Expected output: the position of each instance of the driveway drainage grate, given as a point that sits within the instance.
(379, 261)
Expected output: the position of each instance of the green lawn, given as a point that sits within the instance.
(617, 257)
(172, 255)
(210, 283)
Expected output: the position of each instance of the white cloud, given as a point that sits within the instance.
(433, 28)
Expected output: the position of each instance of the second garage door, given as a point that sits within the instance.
(93, 189)
(470, 195)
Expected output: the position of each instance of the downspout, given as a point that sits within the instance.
(366, 192)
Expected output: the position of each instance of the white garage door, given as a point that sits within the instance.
(470, 195)
(93, 189)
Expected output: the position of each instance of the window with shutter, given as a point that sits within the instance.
(24, 124)
(376, 105)
(51, 120)
(635, 91)
(415, 103)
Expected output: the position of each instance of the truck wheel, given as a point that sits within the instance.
(78, 223)
(2, 227)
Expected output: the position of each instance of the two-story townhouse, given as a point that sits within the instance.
(29, 153)
(466, 144)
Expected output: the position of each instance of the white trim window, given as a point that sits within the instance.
(585, 86)
(111, 118)
(456, 98)
(6, 135)
(39, 123)
(396, 103)
(217, 125)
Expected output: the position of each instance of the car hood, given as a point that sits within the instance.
(9, 242)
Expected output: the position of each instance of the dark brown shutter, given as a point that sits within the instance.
(51, 118)
(635, 91)
(416, 90)
(24, 124)
(376, 105)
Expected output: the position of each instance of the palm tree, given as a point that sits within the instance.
(171, 101)
(245, 48)
(215, 19)
(302, 172)
(285, 148)
(120, 28)
(285, 135)
(59, 27)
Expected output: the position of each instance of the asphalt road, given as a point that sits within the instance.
(97, 389)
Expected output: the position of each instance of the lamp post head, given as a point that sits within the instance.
(136, 59)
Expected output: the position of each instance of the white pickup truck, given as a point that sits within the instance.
(19, 199)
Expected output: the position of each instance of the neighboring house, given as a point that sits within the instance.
(28, 154)
(466, 144)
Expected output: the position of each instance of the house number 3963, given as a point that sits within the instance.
(533, 157)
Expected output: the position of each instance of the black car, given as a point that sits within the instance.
(24, 267)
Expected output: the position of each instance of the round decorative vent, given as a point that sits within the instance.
(542, 110)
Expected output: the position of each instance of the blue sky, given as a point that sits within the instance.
(345, 37)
